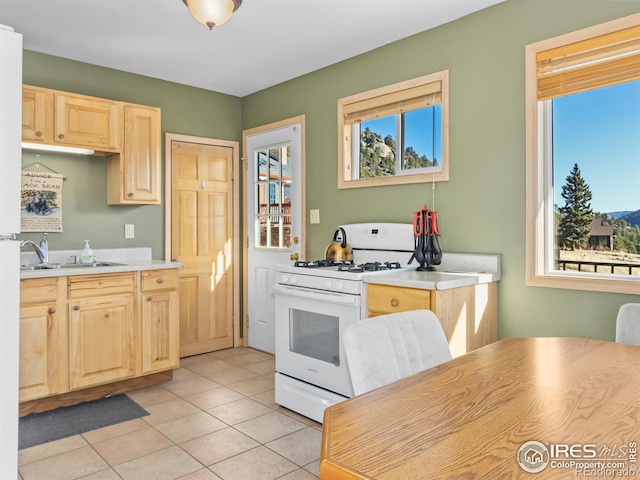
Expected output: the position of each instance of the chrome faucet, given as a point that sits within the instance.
(42, 250)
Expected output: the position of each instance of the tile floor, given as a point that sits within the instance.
(216, 419)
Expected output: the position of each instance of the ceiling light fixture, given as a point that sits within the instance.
(212, 13)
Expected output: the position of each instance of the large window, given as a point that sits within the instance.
(583, 159)
(395, 134)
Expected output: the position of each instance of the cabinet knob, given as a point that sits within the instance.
(52, 311)
(293, 257)
(38, 134)
(76, 307)
(148, 299)
(106, 315)
(130, 195)
(160, 280)
(61, 136)
(394, 302)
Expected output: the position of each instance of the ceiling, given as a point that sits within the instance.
(265, 42)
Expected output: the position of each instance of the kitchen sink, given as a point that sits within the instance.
(38, 266)
(50, 266)
(95, 264)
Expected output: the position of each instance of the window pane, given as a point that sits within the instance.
(596, 170)
(262, 165)
(422, 133)
(378, 147)
(286, 231)
(274, 163)
(261, 229)
(274, 197)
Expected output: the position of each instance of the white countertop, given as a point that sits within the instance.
(131, 259)
(456, 270)
(428, 280)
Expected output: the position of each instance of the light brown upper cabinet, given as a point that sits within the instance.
(34, 114)
(133, 176)
(86, 122)
(60, 118)
(127, 133)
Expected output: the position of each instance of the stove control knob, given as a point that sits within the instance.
(285, 278)
(328, 284)
(339, 285)
(294, 279)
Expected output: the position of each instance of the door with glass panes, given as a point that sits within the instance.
(274, 221)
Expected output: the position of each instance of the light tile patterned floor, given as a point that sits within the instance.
(216, 419)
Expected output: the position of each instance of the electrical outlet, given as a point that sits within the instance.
(314, 216)
(129, 230)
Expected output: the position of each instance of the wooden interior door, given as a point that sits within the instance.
(202, 239)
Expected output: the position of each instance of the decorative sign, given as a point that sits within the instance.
(41, 205)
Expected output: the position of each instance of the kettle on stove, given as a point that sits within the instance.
(339, 250)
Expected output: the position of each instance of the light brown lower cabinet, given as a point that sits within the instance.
(468, 314)
(85, 331)
(43, 339)
(101, 341)
(160, 325)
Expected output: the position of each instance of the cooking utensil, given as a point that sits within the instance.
(427, 250)
(339, 250)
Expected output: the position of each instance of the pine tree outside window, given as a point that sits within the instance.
(583, 156)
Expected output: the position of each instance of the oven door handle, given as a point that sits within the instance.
(342, 299)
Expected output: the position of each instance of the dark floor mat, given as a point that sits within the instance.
(64, 422)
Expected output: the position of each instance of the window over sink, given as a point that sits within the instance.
(395, 134)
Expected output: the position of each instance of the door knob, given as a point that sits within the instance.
(293, 257)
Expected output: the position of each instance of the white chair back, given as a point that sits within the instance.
(384, 349)
(628, 324)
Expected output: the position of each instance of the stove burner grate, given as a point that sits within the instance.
(370, 267)
(323, 263)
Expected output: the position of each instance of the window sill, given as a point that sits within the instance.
(588, 282)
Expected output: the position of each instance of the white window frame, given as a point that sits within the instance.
(540, 271)
(348, 151)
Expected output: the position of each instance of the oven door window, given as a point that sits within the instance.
(315, 335)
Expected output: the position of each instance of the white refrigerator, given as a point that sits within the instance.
(10, 166)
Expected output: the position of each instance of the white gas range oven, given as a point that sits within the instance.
(315, 302)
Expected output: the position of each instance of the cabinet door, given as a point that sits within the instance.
(133, 177)
(101, 341)
(87, 122)
(160, 331)
(34, 115)
(42, 347)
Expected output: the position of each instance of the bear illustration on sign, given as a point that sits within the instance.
(38, 204)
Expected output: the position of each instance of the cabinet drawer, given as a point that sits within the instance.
(153, 280)
(83, 286)
(382, 299)
(39, 290)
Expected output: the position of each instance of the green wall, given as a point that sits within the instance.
(86, 215)
(482, 208)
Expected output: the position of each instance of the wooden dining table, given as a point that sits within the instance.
(535, 408)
